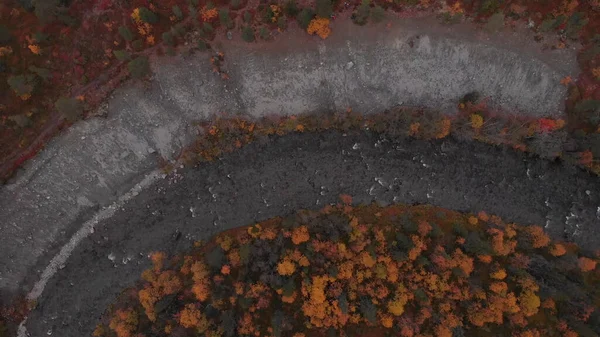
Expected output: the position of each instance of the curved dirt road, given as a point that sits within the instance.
(297, 171)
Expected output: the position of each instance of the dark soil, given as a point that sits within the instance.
(307, 171)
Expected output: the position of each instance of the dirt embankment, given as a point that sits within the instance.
(308, 171)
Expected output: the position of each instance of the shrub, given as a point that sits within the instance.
(21, 120)
(291, 8)
(305, 17)
(207, 27)
(22, 85)
(137, 45)
(263, 32)
(139, 67)
(122, 55)
(43, 73)
(168, 39)
(247, 17)
(147, 15)
(368, 309)
(202, 46)
(324, 8)
(177, 12)
(362, 13)
(70, 108)
(125, 33)
(225, 19)
(248, 34)
(377, 14)
(282, 22)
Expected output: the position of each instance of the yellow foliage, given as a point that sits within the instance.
(476, 121)
(396, 307)
(320, 26)
(135, 15)
(499, 274)
(529, 303)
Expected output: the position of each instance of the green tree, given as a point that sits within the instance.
(139, 67)
(248, 34)
(177, 12)
(305, 17)
(70, 108)
(125, 33)
(22, 85)
(225, 19)
(324, 8)
(148, 16)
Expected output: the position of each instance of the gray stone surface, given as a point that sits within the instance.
(97, 160)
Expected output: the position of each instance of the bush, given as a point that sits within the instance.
(122, 55)
(305, 17)
(207, 27)
(362, 13)
(168, 39)
(22, 85)
(148, 16)
(137, 45)
(43, 73)
(177, 12)
(324, 8)
(126, 33)
(377, 14)
(282, 22)
(247, 17)
(291, 8)
(248, 34)
(264, 33)
(225, 19)
(71, 109)
(139, 67)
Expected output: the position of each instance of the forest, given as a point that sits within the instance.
(367, 271)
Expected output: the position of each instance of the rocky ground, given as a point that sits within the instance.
(284, 174)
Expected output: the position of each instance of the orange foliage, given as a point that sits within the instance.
(537, 236)
(300, 235)
(286, 267)
(124, 322)
(320, 26)
(586, 264)
(208, 15)
(557, 249)
(192, 317)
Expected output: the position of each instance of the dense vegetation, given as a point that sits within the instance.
(367, 270)
(76, 52)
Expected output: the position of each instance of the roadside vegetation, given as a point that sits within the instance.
(367, 271)
(60, 59)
